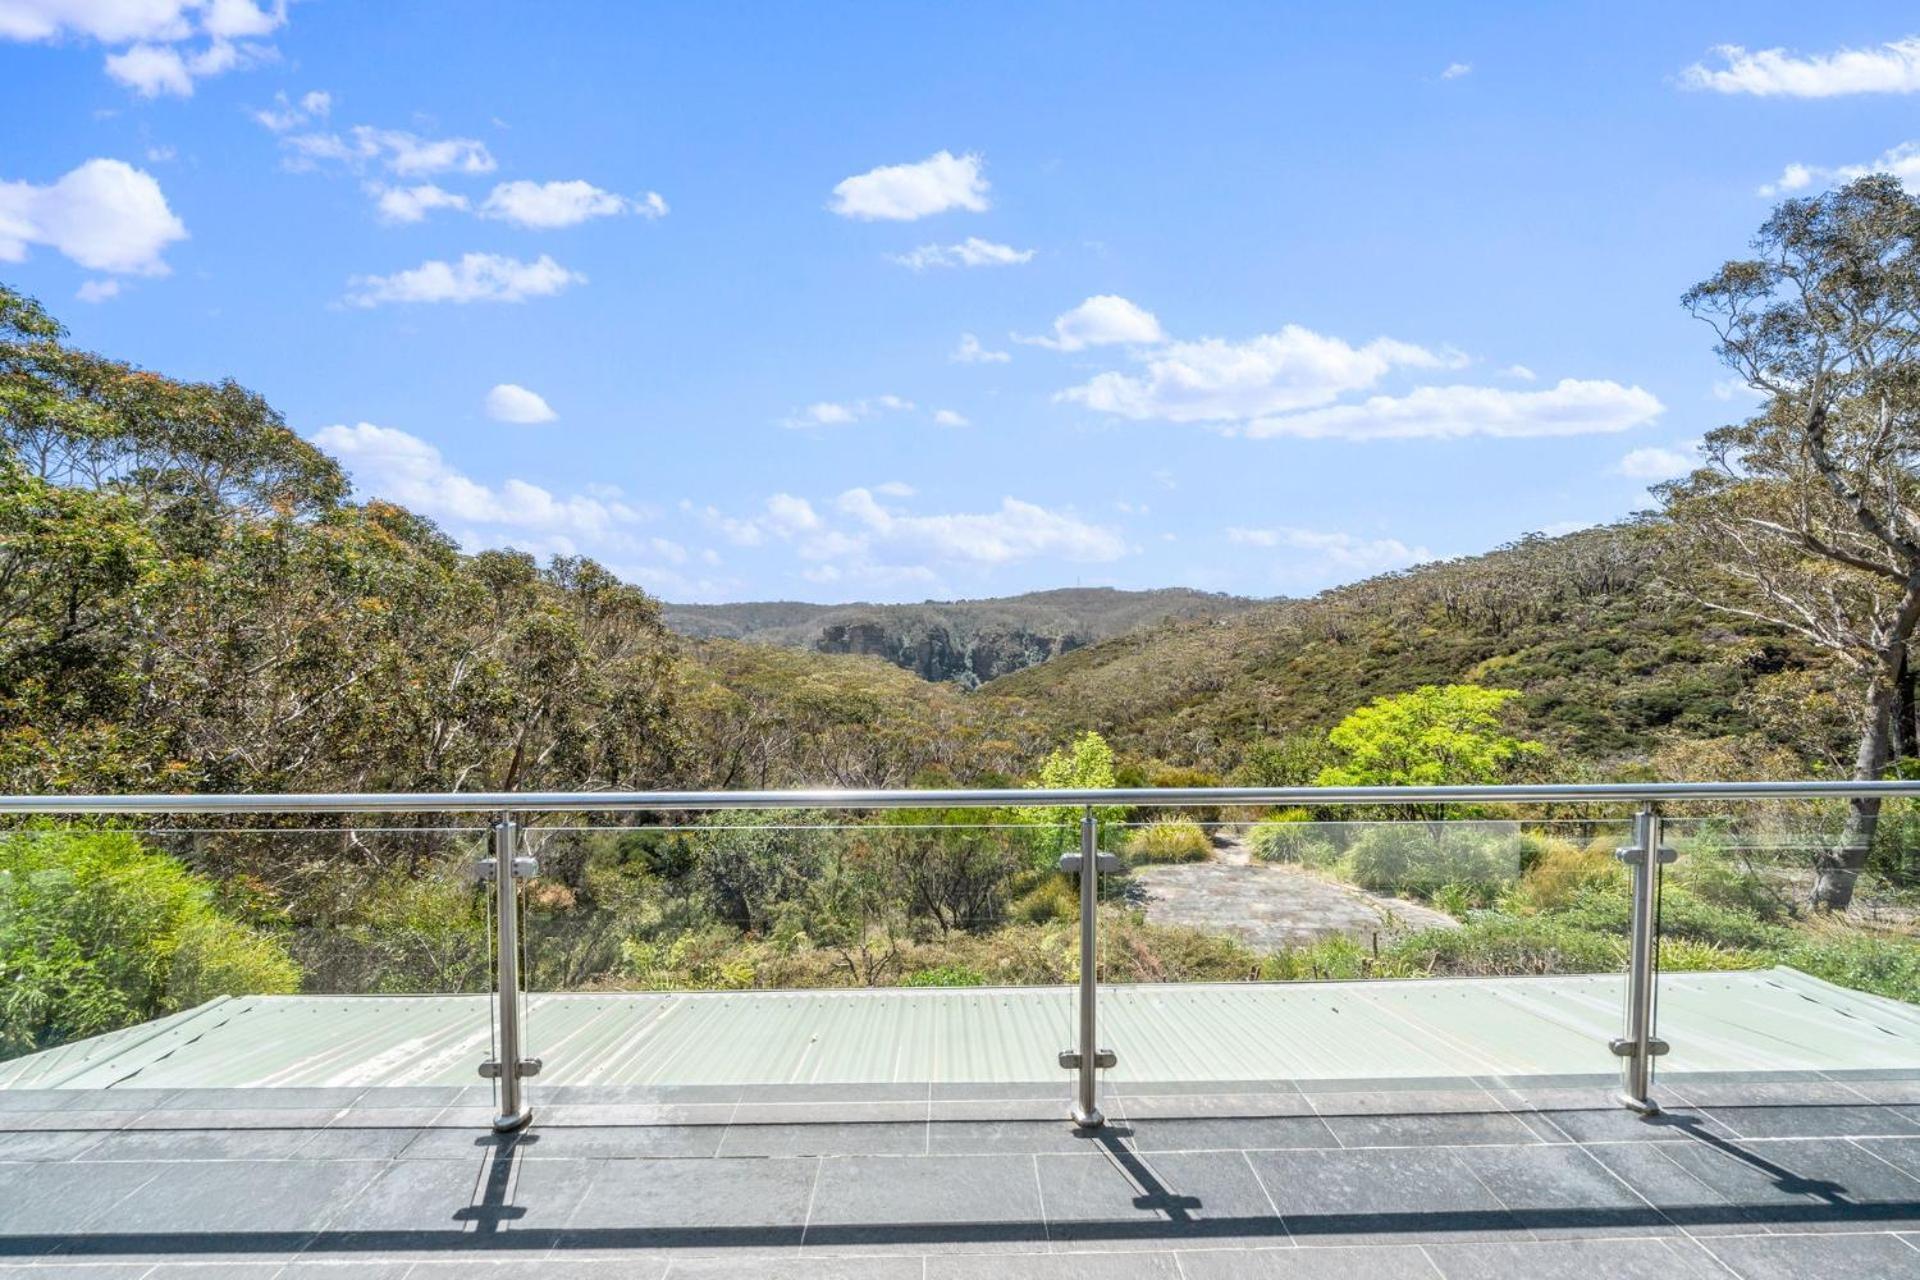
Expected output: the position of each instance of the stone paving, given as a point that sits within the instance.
(1268, 906)
(1804, 1177)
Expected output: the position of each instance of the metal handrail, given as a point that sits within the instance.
(1630, 793)
(1637, 1048)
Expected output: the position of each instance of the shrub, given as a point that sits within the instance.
(1055, 897)
(1495, 944)
(1417, 859)
(946, 975)
(1714, 868)
(1285, 840)
(1559, 872)
(1883, 966)
(1168, 840)
(97, 932)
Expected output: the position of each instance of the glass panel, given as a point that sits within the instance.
(243, 955)
(1437, 950)
(882, 955)
(1774, 960)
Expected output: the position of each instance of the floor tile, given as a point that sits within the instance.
(1823, 1121)
(1164, 1201)
(1002, 1137)
(1562, 1191)
(1816, 1257)
(49, 1144)
(620, 1142)
(1340, 1262)
(724, 1205)
(1812, 1185)
(1458, 1130)
(934, 1204)
(1686, 1201)
(1617, 1124)
(799, 1269)
(1378, 1196)
(1079, 1266)
(1231, 1134)
(53, 1199)
(199, 1144)
(825, 1139)
(1576, 1260)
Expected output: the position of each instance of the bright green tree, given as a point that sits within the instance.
(1084, 765)
(1437, 735)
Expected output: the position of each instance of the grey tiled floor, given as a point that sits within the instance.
(1253, 1181)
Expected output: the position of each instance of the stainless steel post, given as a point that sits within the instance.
(1640, 1045)
(508, 1061)
(1086, 1113)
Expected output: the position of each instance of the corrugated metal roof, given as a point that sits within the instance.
(1770, 1020)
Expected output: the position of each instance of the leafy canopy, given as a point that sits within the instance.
(1437, 735)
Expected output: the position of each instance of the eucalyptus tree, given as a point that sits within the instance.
(1806, 516)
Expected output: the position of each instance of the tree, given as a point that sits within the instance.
(1807, 515)
(1085, 765)
(1436, 735)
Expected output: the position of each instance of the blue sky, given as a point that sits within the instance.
(894, 302)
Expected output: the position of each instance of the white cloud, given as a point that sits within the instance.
(287, 114)
(399, 152)
(477, 277)
(1571, 407)
(1519, 373)
(1893, 67)
(971, 352)
(1214, 380)
(865, 535)
(97, 290)
(546, 205)
(904, 192)
(1017, 530)
(392, 464)
(834, 413)
(510, 403)
(1455, 70)
(413, 204)
(1903, 162)
(1102, 320)
(105, 215)
(949, 418)
(1654, 463)
(971, 252)
(1335, 555)
(154, 62)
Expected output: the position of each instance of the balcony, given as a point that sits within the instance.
(1753, 1122)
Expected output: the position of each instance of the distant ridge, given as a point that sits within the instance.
(965, 641)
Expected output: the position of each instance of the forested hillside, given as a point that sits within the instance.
(1614, 669)
(966, 641)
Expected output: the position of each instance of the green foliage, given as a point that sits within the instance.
(1085, 765)
(1883, 966)
(1416, 859)
(97, 931)
(1434, 736)
(1493, 945)
(1291, 836)
(946, 975)
(1168, 840)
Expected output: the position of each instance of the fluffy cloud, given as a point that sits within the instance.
(545, 205)
(1455, 70)
(1332, 556)
(413, 204)
(1571, 407)
(287, 114)
(389, 463)
(1213, 380)
(1903, 162)
(105, 215)
(477, 277)
(836, 413)
(510, 403)
(405, 154)
(971, 252)
(971, 352)
(155, 63)
(1102, 320)
(866, 535)
(949, 418)
(1893, 67)
(1654, 464)
(904, 192)
(97, 290)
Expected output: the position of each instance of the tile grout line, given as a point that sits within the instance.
(1855, 1142)
(1040, 1196)
(1272, 1204)
(1638, 1194)
(1431, 1264)
(813, 1193)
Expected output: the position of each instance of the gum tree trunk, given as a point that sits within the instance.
(1839, 868)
